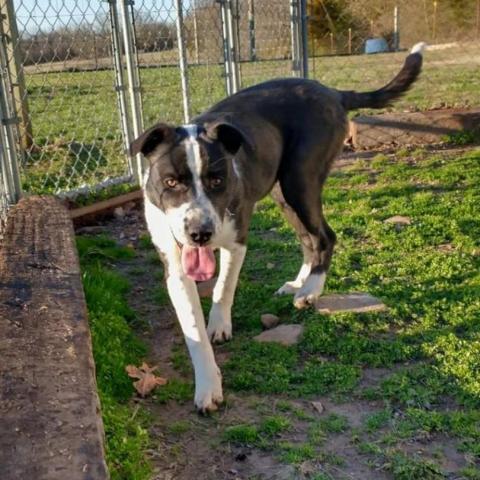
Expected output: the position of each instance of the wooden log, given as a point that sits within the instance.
(96, 211)
(414, 128)
(50, 423)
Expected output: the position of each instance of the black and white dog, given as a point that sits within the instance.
(204, 179)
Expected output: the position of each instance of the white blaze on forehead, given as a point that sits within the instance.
(203, 206)
(192, 148)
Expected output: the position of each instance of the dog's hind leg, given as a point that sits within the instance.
(313, 286)
(304, 198)
(292, 287)
(220, 322)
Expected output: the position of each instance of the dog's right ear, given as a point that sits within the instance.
(149, 140)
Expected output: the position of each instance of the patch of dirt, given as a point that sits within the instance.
(373, 376)
(441, 449)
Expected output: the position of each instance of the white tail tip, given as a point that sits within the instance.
(419, 48)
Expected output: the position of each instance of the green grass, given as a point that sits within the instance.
(178, 390)
(242, 434)
(429, 337)
(179, 427)
(426, 344)
(77, 139)
(405, 467)
(334, 423)
(296, 453)
(114, 347)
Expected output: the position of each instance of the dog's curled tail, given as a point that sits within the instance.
(397, 87)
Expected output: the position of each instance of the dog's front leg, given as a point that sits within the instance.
(208, 379)
(220, 320)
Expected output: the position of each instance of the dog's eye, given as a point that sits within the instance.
(215, 182)
(171, 182)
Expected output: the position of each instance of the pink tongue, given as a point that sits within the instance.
(198, 262)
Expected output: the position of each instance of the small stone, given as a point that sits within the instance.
(399, 220)
(129, 206)
(351, 302)
(119, 212)
(446, 248)
(91, 230)
(269, 320)
(270, 265)
(205, 289)
(318, 406)
(283, 334)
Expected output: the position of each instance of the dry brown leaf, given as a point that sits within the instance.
(147, 380)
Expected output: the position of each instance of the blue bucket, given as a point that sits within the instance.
(376, 45)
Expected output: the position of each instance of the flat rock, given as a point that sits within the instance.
(205, 289)
(318, 406)
(399, 220)
(91, 230)
(349, 302)
(269, 320)
(283, 334)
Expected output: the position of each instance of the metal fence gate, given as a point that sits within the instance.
(80, 79)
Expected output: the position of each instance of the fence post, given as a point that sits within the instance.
(304, 30)
(251, 30)
(477, 21)
(396, 32)
(120, 86)
(229, 20)
(226, 48)
(299, 30)
(8, 147)
(134, 89)
(294, 15)
(182, 58)
(17, 78)
(195, 33)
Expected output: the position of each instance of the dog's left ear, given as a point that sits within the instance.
(231, 136)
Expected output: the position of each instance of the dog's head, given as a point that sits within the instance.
(191, 176)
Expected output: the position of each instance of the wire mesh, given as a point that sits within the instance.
(340, 34)
(264, 39)
(155, 26)
(64, 53)
(76, 112)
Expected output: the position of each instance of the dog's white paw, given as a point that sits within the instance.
(289, 288)
(219, 327)
(292, 287)
(208, 391)
(310, 291)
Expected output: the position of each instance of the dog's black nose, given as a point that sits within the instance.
(201, 236)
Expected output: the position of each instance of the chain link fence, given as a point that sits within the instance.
(81, 78)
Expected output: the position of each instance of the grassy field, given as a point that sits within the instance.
(76, 124)
(400, 388)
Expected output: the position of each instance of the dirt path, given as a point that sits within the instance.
(187, 446)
